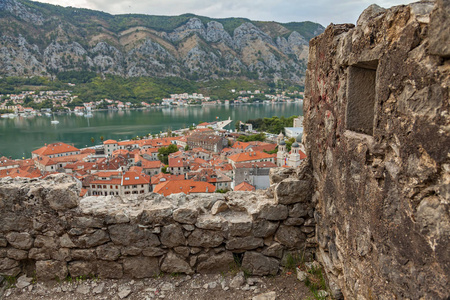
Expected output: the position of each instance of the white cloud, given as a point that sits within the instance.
(321, 11)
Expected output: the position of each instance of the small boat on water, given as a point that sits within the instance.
(54, 121)
(4, 116)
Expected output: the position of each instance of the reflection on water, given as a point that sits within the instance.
(20, 136)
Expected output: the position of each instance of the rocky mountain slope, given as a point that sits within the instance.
(43, 39)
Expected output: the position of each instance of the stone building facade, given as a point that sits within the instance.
(378, 137)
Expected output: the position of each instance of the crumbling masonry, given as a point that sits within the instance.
(371, 202)
(377, 131)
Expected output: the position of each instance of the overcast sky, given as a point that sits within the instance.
(321, 11)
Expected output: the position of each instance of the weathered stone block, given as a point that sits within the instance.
(87, 222)
(62, 254)
(131, 251)
(172, 236)
(80, 268)
(49, 242)
(62, 198)
(172, 263)
(183, 251)
(153, 251)
(294, 221)
(156, 215)
(39, 254)
(210, 222)
(66, 242)
(17, 254)
(239, 225)
(22, 240)
(8, 263)
(205, 238)
(274, 212)
(263, 228)
(292, 190)
(109, 269)
(258, 264)
(118, 218)
(244, 243)
(126, 234)
(97, 238)
(108, 252)
(3, 242)
(50, 270)
(185, 215)
(274, 250)
(140, 267)
(218, 207)
(290, 236)
(221, 262)
(277, 175)
(83, 254)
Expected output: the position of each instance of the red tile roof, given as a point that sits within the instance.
(132, 178)
(244, 186)
(55, 148)
(161, 177)
(108, 142)
(249, 156)
(184, 186)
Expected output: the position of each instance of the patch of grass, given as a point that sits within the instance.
(175, 274)
(315, 281)
(293, 260)
(10, 281)
(159, 275)
(247, 273)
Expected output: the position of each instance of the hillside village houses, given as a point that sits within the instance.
(206, 160)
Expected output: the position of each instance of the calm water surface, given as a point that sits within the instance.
(20, 136)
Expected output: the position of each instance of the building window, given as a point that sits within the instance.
(361, 97)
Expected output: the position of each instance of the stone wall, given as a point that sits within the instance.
(46, 230)
(377, 131)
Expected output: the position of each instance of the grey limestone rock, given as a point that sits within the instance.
(258, 264)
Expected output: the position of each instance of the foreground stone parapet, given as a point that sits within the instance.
(377, 134)
(141, 236)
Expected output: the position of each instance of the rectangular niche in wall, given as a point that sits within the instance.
(361, 97)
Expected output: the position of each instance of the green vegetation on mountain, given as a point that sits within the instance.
(134, 90)
(273, 125)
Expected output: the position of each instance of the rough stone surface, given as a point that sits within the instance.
(292, 191)
(80, 268)
(221, 262)
(137, 236)
(172, 236)
(380, 191)
(49, 269)
(258, 264)
(175, 264)
(140, 267)
(21, 240)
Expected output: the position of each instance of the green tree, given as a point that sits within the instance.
(92, 140)
(163, 153)
(102, 138)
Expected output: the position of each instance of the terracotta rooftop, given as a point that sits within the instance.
(249, 156)
(108, 142)
(55, 148)
(244, 186)
(183, 186)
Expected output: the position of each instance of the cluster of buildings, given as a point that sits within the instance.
(203, 160)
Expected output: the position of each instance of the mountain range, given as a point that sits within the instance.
(44, 40)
